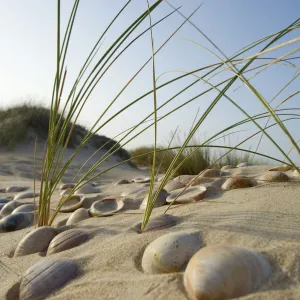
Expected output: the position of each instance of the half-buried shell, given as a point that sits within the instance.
(88, 189)
(25, 195)
(170, 253)
(185, 179)
(212, 173)
(78, 215)
(121, 181)
(25, 208)
(141, 179)
(71, 203)
(16, 189)
(274, 176)
(160, 201)
(16, 221)
(106, 207)
(45, 277)
(37, 240)
(282, 168)
(66, 240)
(190, 194)
(173, 185)
(9, 207)
(224, 272)
(238, 183)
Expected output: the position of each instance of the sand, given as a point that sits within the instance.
(264, 218)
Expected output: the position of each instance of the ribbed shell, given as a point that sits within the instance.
(67, 240)
(37, 240)
(16, 222)
(106, 207)
(78, 215)
(190, 194)
(45, 277)
(238, 183)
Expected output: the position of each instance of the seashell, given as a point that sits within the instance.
(71, 204)
(46, 276)
(1, 205)
(66, 192)
(136, 192)
(141, 179)
(224, 272)
(244, 164)
(4, 200)
(228, 167)
(16, 189)
(201, 180)
(2, 190)
(173, 185)
(238, 183)
(121, 181)
(190, 194)
(170, 253)
(25, 195)
(37, 240)
(8, 208)
(87, 189)
(160, 222)
(106, 207)
(211, 173)
(160, 201)
(67, 240)
(185, 179)
(282, 168)
(25, 208)
(66, 186)
(78, 215)
(16, 221)
(296, 173)
(274, 176)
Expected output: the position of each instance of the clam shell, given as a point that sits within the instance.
(66, 186)
(8, 208)
(25, 208)
(16, 189)
(1, 205)
(25, 195)
(87, 189)
(141, 179)
(170, 253)
(66, 192)
(46, 276)
(73, 203)
(78, 215)
(274, 176)
(282, 168)
(185, 179)
(160, 201)
(238, 183)
(106, 207)
(173, 185)
(67, 240)
(121, 181)
(16, 221)
(191, 194)
(37, 240)
(4, 200)
(211, 173)
(244, 164)
(139, 192)
(224, 272)
(160, 222)
(202, 180)
(228, 167)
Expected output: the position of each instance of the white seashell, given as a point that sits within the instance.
(173, 185)
(296, 173)
(67, 240)
(66, 186)
(274, 176)
(25, 195)
(141, 179)
(37, 240)
(170, 253)
(16, 189)
(244, 164)
(228, 167)
(45, 277)
(16, 222)
(71, 204)
(8, 208)
(185, 179)
(238, 183)
(66, 192)
(121, 181)
(282, 168)
(160, 201)
(106, 207)
(211, 173)
(224, 272)
(190, 194)
(25, 208)
(87, 189)
(78, 215)
(160, 222)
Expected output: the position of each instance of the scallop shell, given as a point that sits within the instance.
(211, 173)
(173, 185)
(121, 181)
(160, 201)
(190, 194)
(274, 176)
(78, 215)
(73, 203)
(25, 195)
(87, 189)
(16, 189)
(238, 183)
(244, 164)
(8, 208)
(224, 272)
(25, 208)
(66, 186)
(282, 168)
(106, 207)
(16, 221)
(160, 222)
(228, 167)
(185, 179)
(170, 253)
(46, 276)
(4, 200)
(67, 240)
(37, 240)
(141, 179)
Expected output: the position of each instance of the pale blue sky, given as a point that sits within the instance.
(27, 59)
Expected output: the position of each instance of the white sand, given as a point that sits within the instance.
(265, 218)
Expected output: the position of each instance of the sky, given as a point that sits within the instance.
(28, 62)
